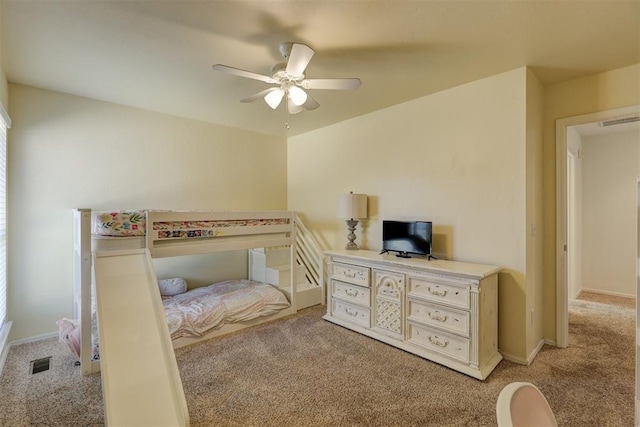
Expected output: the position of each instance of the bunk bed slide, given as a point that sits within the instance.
(140, 378)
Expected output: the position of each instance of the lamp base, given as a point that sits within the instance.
(351, 226)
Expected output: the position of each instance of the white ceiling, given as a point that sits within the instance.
(157, 55)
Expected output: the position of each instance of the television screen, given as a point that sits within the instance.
(406, 237)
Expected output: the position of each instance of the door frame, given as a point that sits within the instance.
(562, 292)
(571, 224)
(637, 386)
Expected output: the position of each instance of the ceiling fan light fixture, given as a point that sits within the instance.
(297, 95)
(293, 108)
(274, 98)
(290, 80)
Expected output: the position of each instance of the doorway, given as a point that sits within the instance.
(567, 234)
(569, 224)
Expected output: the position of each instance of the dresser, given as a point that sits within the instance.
(443, 311)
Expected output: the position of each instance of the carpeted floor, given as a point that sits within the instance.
(304, 371)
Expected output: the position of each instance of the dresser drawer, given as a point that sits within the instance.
(351, 293)
(355, 274)
(388, 284)
(456, 295)
(351, 312)
(439, 316)
(441, 342)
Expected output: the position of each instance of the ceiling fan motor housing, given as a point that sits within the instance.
(279, 73)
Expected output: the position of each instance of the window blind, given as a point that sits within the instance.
(3, 221)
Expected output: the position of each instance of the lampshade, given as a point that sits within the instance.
(293, 108)
(352, 205)
(273, 98)
(297, 95)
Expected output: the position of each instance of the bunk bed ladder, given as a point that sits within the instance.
(272, 265)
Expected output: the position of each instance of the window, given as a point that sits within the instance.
(5, 123)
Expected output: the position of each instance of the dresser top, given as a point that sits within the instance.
(465, 269)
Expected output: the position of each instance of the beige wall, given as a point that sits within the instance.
(609, 173)
(534, 222)
(456, 158)
(67, 152)
(600, 92)
(4, 91)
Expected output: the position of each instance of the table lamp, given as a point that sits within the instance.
(352, 207)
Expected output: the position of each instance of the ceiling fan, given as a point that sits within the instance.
(290, 80)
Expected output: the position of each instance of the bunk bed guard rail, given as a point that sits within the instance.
(169, 235)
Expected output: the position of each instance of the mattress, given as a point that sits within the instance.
(200, 310)
(133, 223)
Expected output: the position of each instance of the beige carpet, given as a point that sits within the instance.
(304, 371)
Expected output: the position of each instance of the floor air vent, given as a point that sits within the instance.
(40, 365)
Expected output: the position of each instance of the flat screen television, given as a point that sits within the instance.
(407, 238)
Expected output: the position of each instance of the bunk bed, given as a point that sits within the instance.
(171, 234)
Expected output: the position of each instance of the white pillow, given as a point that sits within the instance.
(171, 287)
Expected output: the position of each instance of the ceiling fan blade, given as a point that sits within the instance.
(298, 59)
(259, 95)
(338, 84)
(310, 104)
(243, 73)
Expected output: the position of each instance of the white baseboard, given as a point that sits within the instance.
(600, 291)
(514, 359)
(33, 339)
(530, 357)
(4, 344)
(535, 352)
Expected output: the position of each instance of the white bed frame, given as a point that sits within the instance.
(226, 239)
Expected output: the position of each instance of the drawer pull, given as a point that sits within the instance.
(436, 315)
(349, 274)
(350, 312)
(437, 292)
(351, 293)
(436, 341)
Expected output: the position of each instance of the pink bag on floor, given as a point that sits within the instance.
(69, 333)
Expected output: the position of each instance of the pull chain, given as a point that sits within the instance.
(286, 123)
